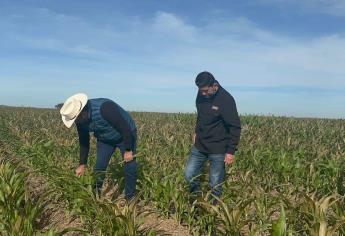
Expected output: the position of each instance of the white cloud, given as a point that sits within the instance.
(165, 48)
(168, 23)
(321, 54)
(242, 53)
(331, 7)
(241, 28)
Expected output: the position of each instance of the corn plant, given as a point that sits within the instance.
(19, 215)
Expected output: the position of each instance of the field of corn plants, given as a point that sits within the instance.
(288, 179)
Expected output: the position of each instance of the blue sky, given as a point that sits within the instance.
(274, 56)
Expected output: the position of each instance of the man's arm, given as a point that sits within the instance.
(84, 143)
(196, 128)
(233, 124)
(111, 113)
(197, 118)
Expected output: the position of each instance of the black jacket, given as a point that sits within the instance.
(218, 126)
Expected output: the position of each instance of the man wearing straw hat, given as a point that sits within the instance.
(113, 128)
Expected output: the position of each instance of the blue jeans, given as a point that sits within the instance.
(195, 165)
(104, 153)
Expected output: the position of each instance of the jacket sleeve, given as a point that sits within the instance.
(197, 117)
(84, 144)
(197, 123)
(232, 123)
(111, 113)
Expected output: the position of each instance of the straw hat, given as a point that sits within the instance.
(72, 108)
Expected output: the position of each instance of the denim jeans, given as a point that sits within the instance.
(195, 165)
(104, 153)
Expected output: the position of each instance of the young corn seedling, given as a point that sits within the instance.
(318, 213)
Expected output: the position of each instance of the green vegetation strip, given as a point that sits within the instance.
(287, 178)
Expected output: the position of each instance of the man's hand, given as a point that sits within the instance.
(229, 159)
(128, 156)
(194, 137)
(80, 170)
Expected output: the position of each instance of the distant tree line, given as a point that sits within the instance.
(58, 106)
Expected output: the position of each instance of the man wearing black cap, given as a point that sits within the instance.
(217, 133)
